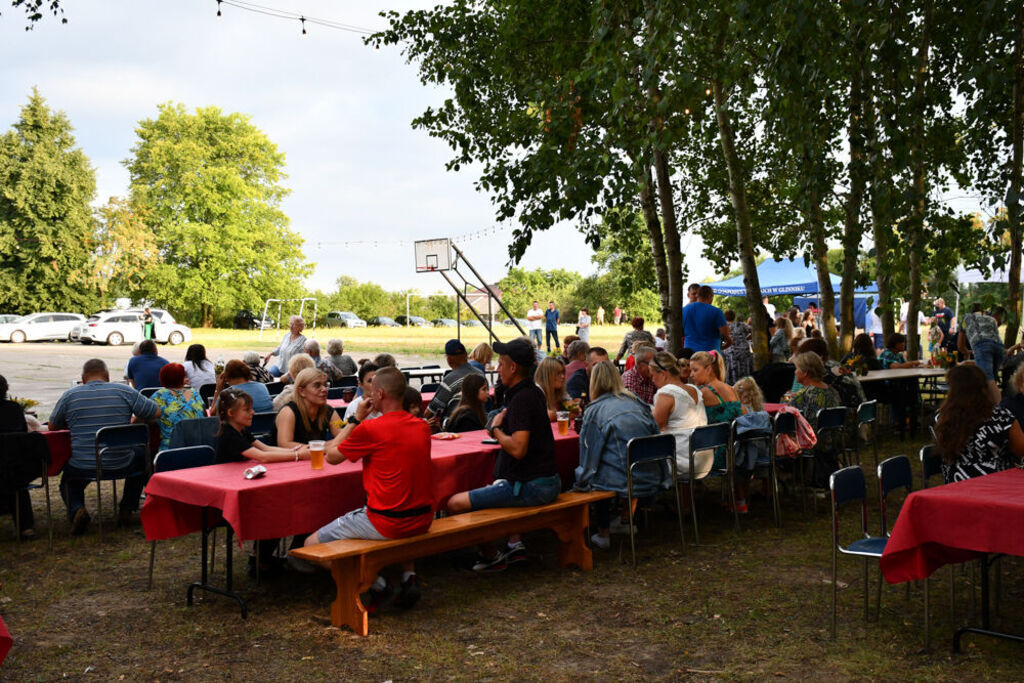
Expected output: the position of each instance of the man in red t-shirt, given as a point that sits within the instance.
(397, 478)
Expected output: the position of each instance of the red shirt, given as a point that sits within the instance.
(397, 474)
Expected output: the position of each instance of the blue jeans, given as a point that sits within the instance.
(74, 480)
(535, 336)
(550, 334)
(989, 357)
(505, 494)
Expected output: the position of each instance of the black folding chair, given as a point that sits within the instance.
(709, 437)
(275, 388)
(848, 485)
(206, 393)
(117, 448)
(832, 430)
(783, 423)
(651, 451)
(25, 457)
(429, 386)
(177, 459)
(263, 426)
(346, 381)
(335, 392)
(149, 391)
(764, 462)
(867, 416)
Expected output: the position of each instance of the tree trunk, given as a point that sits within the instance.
(206, 312)
(853, 228)
(744, 232)
(915, 224)
(1013, 193)
(650, 212)
(674, 265)
(826, 297)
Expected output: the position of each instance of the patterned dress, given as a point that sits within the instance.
(809, 400)
(739, 360)
(174, 408)
(725, 411)
(987, 451)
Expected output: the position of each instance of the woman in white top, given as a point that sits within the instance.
(198, 368)
(678, 408)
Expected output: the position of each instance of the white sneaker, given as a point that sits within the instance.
(602, 542)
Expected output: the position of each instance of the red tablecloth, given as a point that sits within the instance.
(292, 498)
(772, 408)
(955, 523)
(59, 443)
(5, 641)
(340, 404)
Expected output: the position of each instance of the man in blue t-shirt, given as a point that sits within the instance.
(704, 326)
(144, 369)
(551, 319)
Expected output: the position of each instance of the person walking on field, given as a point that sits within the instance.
(617, 313)
(599, 320)
(535, 322)
(552, 317)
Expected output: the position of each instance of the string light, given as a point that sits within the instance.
(293, 16)
(355, 244)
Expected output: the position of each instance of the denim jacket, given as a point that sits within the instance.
(608, 425)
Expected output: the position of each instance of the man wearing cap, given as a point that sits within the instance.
(450, 391)
(525, 473)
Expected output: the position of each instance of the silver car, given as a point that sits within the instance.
(40, 327)
(125, 326)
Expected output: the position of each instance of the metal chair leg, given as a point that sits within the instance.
(835, 588)
(927, 629)
(49, 512)
(693, 511)
(152, 558)
(867, 588)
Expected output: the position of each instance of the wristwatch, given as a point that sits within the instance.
(352, 421)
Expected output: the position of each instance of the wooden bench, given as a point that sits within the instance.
(354, 564)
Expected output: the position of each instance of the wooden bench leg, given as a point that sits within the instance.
(573, 549)
(347, 609)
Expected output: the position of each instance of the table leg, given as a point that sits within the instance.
(984, 630)
(204, 583)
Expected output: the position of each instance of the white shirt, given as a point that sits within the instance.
(873, 323)
(350, 411)
(584, 324)
(660, 343)
(201, 374)
(771, 310)
(535, 319)
(686, 414)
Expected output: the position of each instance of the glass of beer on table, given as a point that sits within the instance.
(563, 422)
(316, 454)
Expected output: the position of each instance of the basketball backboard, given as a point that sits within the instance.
(433, 255)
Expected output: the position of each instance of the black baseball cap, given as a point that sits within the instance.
(454, 348)
(519, 350)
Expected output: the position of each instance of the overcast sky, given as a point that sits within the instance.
(339, 111)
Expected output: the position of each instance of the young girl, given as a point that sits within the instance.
(236, 444)
(470, 414)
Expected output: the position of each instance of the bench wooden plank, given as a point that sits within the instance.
(355, 563)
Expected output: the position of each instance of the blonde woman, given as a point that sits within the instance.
(707, 371)
(754, 419)
(550, 377)
(296, 364)
(307, 416)
(678, 408)
(612, 418)
(481, 356)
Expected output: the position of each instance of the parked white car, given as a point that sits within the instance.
(40, 327)
(125, 327)
(343, 319)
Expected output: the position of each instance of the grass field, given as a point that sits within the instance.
(750, 604)
(414, 341)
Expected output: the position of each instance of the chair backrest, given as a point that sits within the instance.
(24, 457)
(346, 381)
(744, 445)
(647, 452)
(183, 458)
(931, 464)
(893, 473)
(117, 446)
(335, 392)
(848, 484)
(275, 388)
(831, 418)
(784, 423)
(263, 425)
(207, 391)
(430, 367)
(197, 431)
(430, 386)
(709, 436)
(149, 391)
(867, 412)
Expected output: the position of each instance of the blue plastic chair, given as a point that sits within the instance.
(117, 448)
(709, 437)
(178, 459)
(195, 431)
(848, 485)
(646, 451)
(867, 414)
(263, 426)
(429, 386)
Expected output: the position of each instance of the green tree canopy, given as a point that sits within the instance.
(210, 183)
(46, 225)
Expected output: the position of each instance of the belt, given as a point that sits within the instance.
(401, 514)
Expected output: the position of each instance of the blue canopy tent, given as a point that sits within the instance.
(793, 278)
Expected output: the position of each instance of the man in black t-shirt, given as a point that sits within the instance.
(525, 473)
(943, 317)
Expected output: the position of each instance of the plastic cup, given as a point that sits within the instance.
(316, 454)
(563, 422)
(347, 394)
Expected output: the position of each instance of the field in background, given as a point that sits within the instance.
(397, 340)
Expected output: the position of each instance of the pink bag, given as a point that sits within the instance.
(786, 446)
